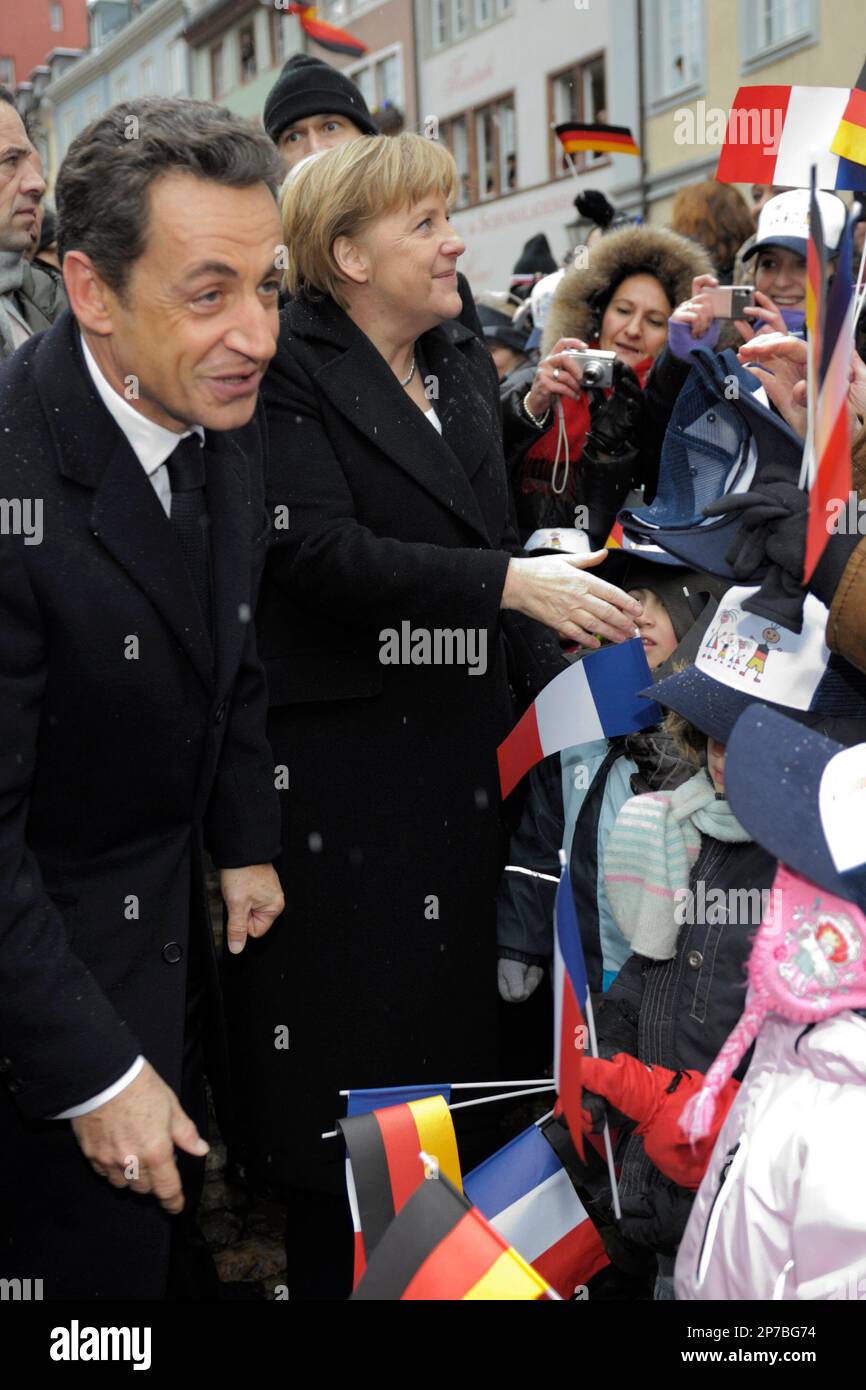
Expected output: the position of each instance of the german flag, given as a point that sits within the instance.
(850, 139)
(383, 1148)
(575, 136)
(441, 1249)
(326, 35)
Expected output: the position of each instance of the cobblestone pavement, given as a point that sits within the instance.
(245, 1233)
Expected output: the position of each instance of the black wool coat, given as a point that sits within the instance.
(392, 837)
(125, 746)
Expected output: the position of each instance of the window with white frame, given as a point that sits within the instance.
(177, 67)
(56, 17)
(456, 136)
(459, 19)
(7, 72)
(121, 86)
(146, 81)
(380, 77)
(577, 93)
(91, 108)
(768, 25)
(439, 22)
(483, 12)
(674, 41)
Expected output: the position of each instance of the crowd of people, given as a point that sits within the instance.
(257, 424)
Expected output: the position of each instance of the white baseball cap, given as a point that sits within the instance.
(784, 221)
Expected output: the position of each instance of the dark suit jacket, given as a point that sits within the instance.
(124, 744)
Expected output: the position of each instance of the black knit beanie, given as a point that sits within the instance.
(308, 87)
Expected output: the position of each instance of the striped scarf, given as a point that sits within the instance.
(650, 853)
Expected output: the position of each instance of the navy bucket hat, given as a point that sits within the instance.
(723, 437)
(802, 797)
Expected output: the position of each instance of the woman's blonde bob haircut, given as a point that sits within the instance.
(343, 191)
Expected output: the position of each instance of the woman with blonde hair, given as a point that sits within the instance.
(388, 595)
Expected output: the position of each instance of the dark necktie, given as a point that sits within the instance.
(189, 519)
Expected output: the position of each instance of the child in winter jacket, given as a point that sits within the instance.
(687, 884)
(781, 1208)
(574, 796)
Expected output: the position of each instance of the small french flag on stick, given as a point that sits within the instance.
(596, 697)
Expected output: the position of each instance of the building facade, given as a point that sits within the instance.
(31, 29)
(496, 75)
(237, 48)
(387, 74)
(134, 51)
(698, 52)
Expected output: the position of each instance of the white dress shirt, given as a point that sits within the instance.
(152, 445)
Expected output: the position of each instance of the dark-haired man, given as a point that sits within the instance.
(131, 697)
(30, 298)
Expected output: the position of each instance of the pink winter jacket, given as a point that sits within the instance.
(781, 1210)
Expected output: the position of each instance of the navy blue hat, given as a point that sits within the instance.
(744, 660)
(802, 797)
(719, 441)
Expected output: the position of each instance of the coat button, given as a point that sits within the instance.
(5, 1064)
(695, 960)
(172, 952)
(219, 713)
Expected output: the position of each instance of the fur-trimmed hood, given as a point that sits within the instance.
(673, 259)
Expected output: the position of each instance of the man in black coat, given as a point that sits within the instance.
(132, 700)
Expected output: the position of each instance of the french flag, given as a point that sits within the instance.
(830, 458)
(570, 1003)
(776, 133)
(528, 1197)
(597, 697)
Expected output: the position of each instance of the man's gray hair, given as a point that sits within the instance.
(102, 191)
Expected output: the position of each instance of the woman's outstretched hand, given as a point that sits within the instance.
(556, 590)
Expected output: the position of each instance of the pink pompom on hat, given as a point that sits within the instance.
(808, 961)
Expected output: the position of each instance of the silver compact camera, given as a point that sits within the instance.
(597, 366)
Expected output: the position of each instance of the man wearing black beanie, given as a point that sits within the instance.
(313, 107)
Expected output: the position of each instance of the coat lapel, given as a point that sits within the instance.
(128, 520)
(126, 516)
(360, 385)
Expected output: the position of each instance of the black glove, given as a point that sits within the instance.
(616, 419)
(775, 512)
(773, 532)
(656, 1219)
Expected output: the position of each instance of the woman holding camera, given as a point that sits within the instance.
(575, 469)
(382, 626)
